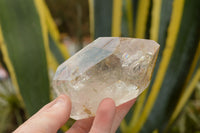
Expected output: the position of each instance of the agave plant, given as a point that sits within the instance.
(29, 43)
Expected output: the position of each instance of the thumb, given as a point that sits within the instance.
(49, 119)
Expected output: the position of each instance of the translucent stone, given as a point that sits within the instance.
(114, 67)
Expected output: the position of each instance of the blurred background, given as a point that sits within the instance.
(38, 35)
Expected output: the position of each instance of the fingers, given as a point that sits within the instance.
(104, 117)
(50, 118)
(107, 120)
(81, 126)
(121, 112)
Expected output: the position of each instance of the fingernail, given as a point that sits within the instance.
(58, 103)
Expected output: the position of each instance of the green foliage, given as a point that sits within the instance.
(30, 47)
(24, 44)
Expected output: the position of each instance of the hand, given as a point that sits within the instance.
(55, 114)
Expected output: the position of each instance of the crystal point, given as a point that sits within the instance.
(114, 67)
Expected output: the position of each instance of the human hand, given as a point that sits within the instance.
(55, 114)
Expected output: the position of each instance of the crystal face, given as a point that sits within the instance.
(114, 67)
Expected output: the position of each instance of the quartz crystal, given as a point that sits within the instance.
(109, 67)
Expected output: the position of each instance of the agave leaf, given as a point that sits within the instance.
(24, 51)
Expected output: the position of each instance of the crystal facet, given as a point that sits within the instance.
(114, 67)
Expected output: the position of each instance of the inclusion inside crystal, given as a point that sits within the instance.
(118, 68)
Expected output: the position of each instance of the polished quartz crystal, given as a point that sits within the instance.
(114, 67)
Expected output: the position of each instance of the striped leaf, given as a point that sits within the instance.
(22, 45)
(185, 46)
(56, 51)
(102, 17)
(57, 48)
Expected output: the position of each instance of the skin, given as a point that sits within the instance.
(55, 114)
